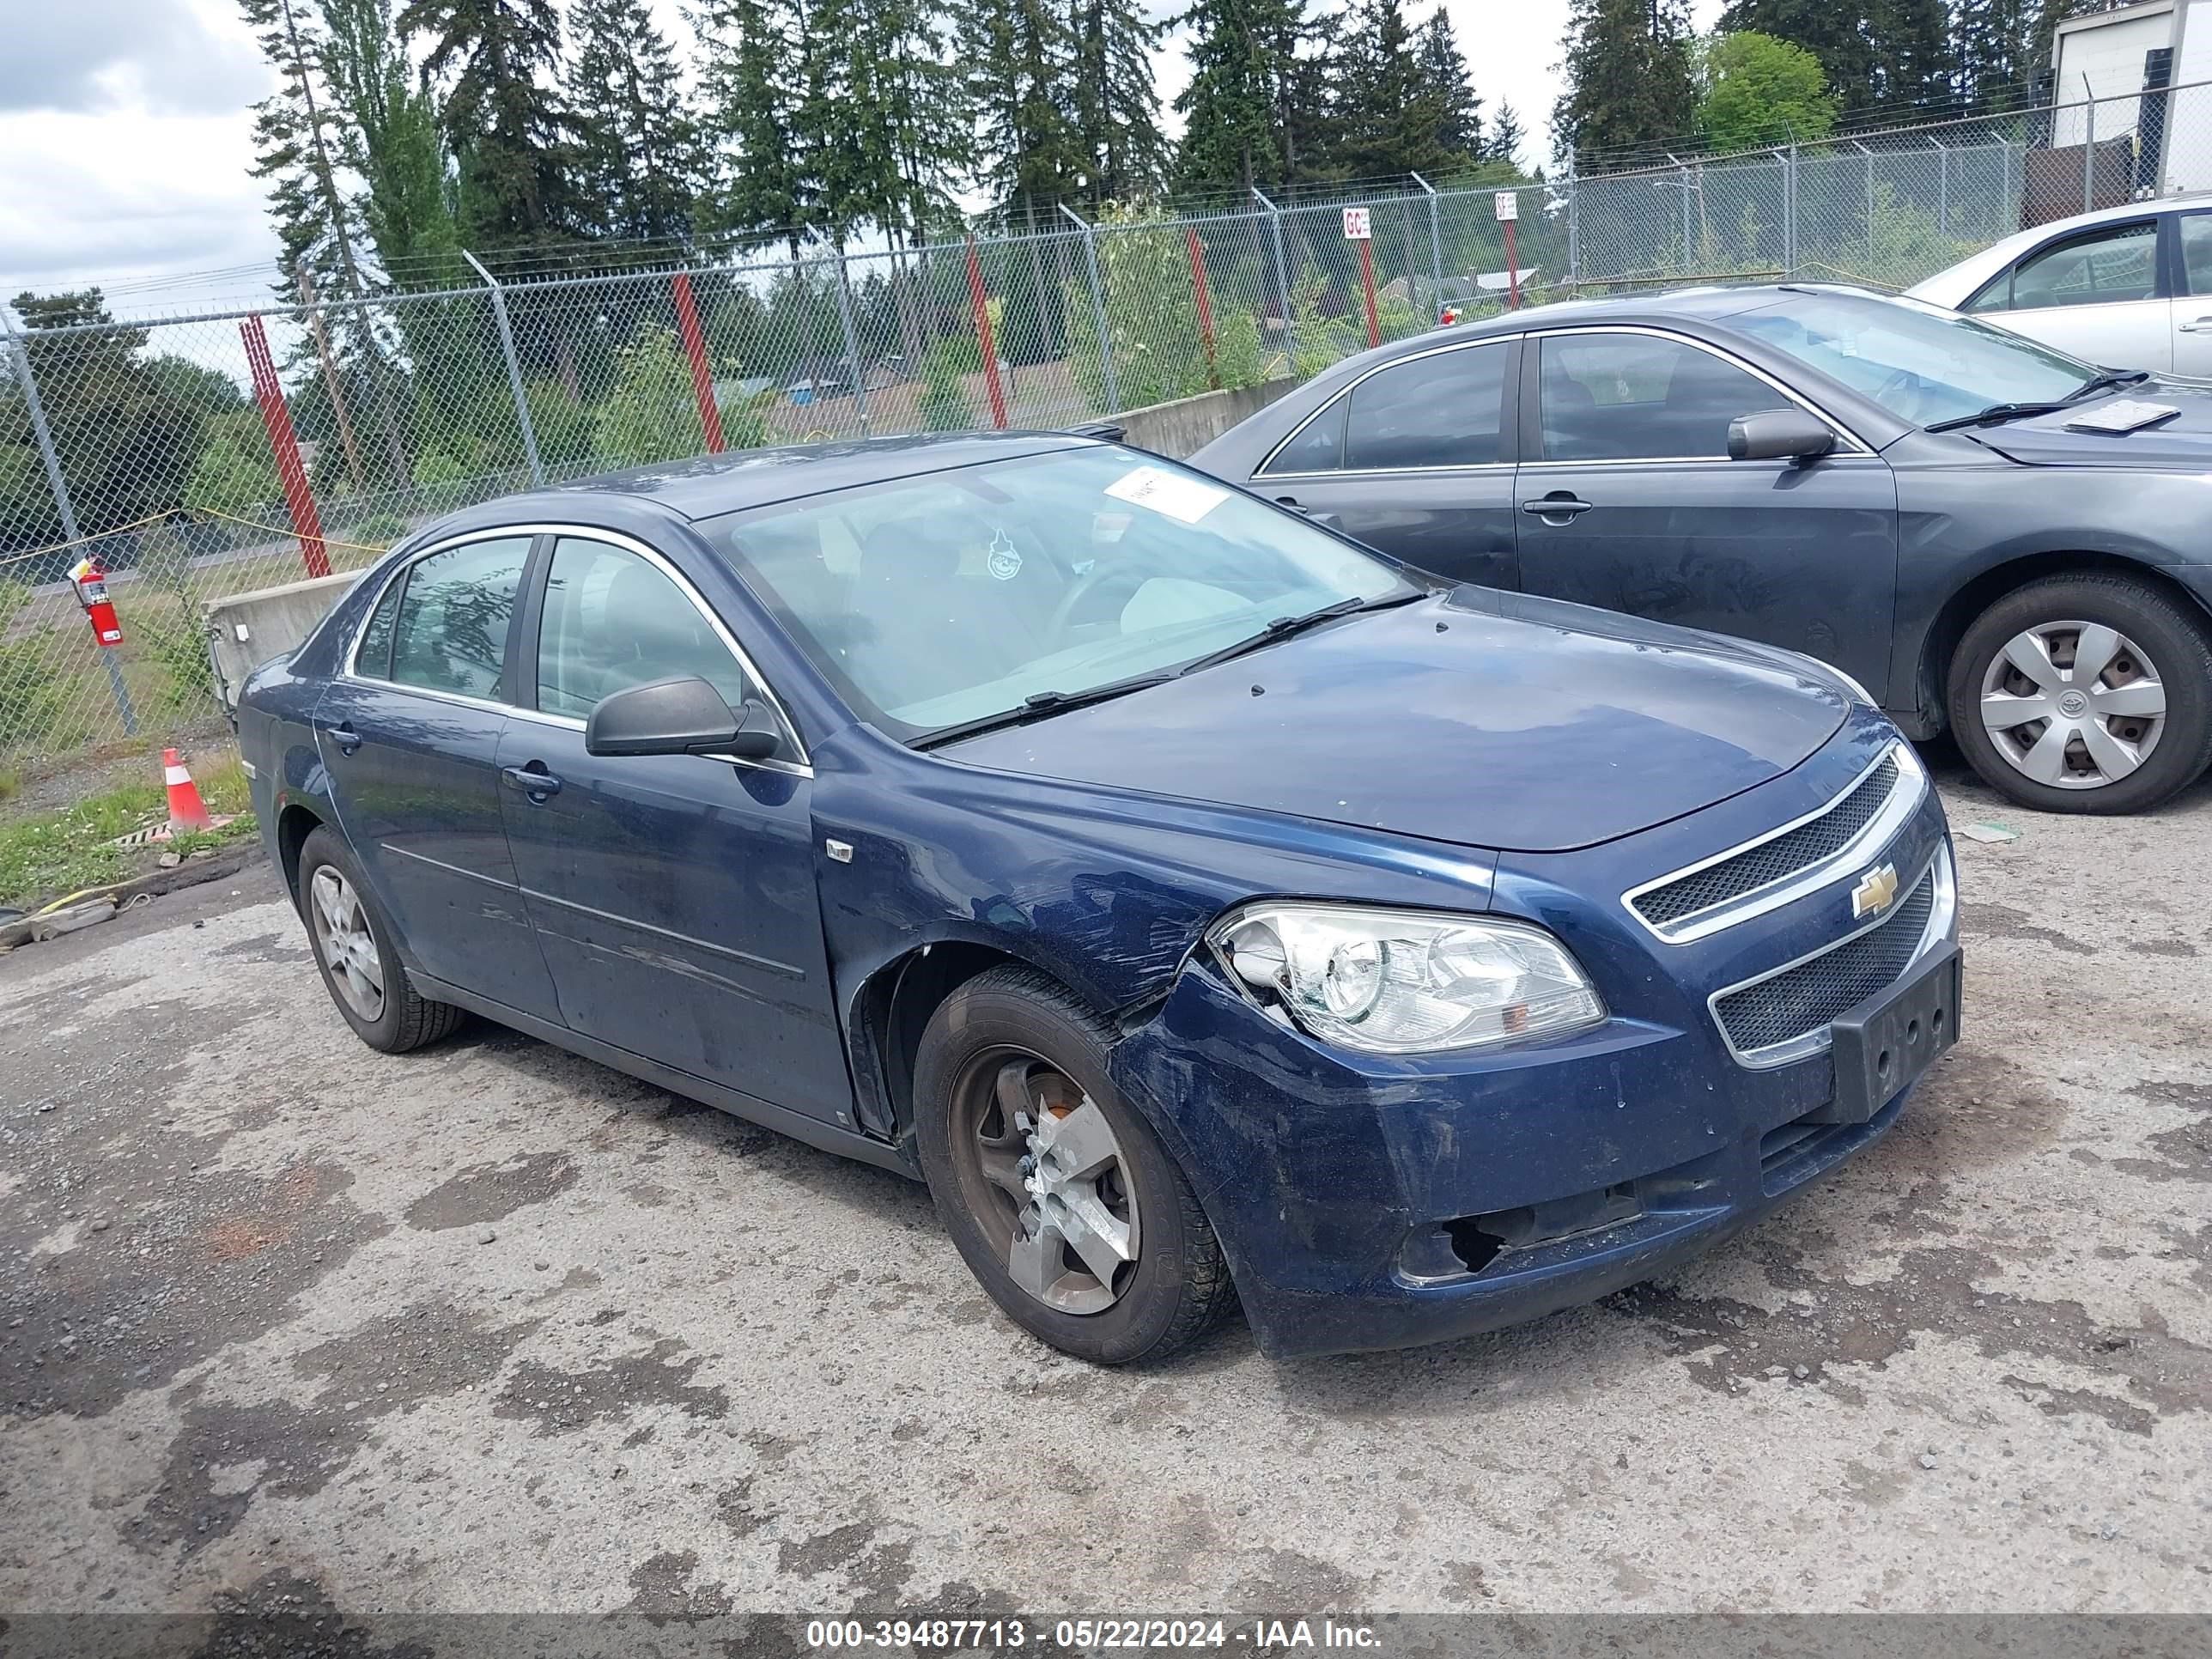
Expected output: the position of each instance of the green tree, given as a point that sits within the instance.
(638, 154)
(1243, 58)
(1388, 109)
(653, 414)
(1457, 109)
(1628, 81)
(1117, 105)
(294, 152)
(392, 140)
(2000, 50)
(1755, 91)
(236, 473)
(1914, 56)
(1021, 60)
(1835, 31)
(506, 126)
(752, 75)
(1505, 138)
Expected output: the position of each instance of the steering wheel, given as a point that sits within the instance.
(1084, 586)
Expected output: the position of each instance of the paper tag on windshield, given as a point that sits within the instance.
(1167, 492)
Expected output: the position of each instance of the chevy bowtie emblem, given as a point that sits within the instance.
(1875, 889)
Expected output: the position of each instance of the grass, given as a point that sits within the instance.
(54, 853)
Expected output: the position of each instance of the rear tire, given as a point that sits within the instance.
(1079, 1225)
(354, 948)
(2131, 731)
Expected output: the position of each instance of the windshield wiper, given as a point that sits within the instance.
(1283, 627)
(1037, 706)
(1996, 412)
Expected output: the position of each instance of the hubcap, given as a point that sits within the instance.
(1042, 1170)
(2076, 705)
(349, 948)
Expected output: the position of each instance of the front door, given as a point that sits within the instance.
(673, 895)
(2192, 300)
(2095, 295)
(1411, 461)
(410, 736)
(1629, 502)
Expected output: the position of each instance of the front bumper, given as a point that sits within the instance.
(1369, 1202)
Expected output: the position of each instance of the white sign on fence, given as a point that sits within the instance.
(1507, 204)
(1356, 226)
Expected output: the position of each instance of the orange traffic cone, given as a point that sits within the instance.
(186, 809)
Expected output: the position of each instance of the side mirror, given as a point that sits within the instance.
(680, 716)
(1779, 434)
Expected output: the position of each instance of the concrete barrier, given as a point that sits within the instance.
(246, 629)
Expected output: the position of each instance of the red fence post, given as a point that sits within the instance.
(984, 339)
(702, 378)
(291, 471)
(1512, 271)
(1205, 306)
(1367, 280)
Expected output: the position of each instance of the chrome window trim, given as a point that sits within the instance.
(803, 767)
(1943, 909)
(1855, 444)
(1906, 796)
(1345, 391)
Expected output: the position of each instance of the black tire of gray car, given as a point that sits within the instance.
(1178, 1287)
(2166, 631)
(408, 1019)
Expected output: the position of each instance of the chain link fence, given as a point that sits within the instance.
(197, 457)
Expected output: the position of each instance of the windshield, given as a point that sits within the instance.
(1921, 363)
(949, 597)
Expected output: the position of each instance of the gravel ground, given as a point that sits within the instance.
(488, 1327)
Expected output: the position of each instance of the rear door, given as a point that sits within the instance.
(1414, 460)
(409, 733)
(2192, 301)
(2098, 293)
(674, 895)
(1629, 502)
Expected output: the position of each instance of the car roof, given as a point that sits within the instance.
(1959, 282)
(710, 485)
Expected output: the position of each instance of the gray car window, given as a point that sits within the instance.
(2196, 251)
(1440, 411)
(1640, 397)
(2105, 266)
(450, 633)
(613, 621)
(1318, 448)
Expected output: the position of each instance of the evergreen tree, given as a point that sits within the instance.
(1020, 56)
(1505, 139)
(1999, 51)
(391, 141)
(1628, 83)
(1835, 31)
(294, 150)
(1243, 69)
(1118, 108)
(752, 79)
(508, 130)
(1443, 73)
(1388, 110)
(637, 147)
(1913, 55)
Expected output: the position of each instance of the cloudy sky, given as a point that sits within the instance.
(125, 136)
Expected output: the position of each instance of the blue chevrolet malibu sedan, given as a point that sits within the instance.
(1208, 909)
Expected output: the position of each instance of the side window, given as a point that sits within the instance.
(450, 631)
(372, 659)
(1442, 410)
(1641, 397)
(1318, 448)
(2103, 266)
(613, 621)
(2196, 230)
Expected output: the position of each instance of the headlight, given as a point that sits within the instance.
(1404, 981)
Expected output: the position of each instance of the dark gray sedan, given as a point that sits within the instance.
(1992, 537)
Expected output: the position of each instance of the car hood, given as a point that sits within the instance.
(2184, 441)
(1491, 719)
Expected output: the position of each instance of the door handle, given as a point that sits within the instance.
(2201, 325)
(1558, 505)
(534, 780)
(344, 736)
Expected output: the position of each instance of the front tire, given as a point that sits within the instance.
(1059, 1195)
(354, 948)
(2088, 693)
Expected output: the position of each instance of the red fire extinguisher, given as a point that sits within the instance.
(88, 578)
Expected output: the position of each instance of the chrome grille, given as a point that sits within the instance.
(1771, 861)
(1803, 1000)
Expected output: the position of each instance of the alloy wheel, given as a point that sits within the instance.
(1045, 1175)
(2075, 705)
(349, 949)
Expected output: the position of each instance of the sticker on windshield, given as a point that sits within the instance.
(1002, 561)
(1167, 492)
